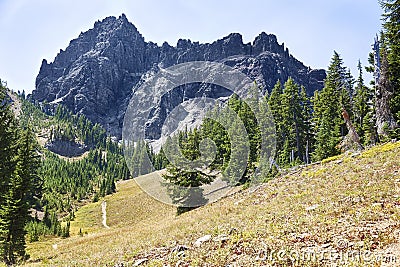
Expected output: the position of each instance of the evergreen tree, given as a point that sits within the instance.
(184, 183)
(391, 31)
(362, 104)
(18, 176)
(275, 105)
(292, 124)
(308, 138)
(213, 129)
(328, 106)
(15, 211)
(8, 136)
(266, 166)
(240, 161)
(385, 121)
(249, 114)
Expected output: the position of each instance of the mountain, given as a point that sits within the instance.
(97, 72)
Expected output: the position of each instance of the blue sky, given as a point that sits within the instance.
(35, 29)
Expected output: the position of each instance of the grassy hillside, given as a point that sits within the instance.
(343, 206)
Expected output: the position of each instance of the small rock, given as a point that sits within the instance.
(201, 240)
(181, 263)
(313, 207)
(304, 236)
(327, 245)
(140, 262)
(180, 248)
(359, 244)
(232, 231)
(221, 238)
(181, 254)
(238, 202)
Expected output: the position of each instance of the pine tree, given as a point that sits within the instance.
(18, 171)
(275, 106)
(391, 31)
(362, 106)
(308, 138)
(184, 183)
(8, 136)
(266, 167)
(385, 121)
(239, 162)
(15, 211)
(360, 103)
(292, 119)
(328, 106)
(248, 114)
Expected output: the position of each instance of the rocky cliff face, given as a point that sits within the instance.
(97, 72)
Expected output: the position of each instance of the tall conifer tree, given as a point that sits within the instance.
(328, 106)
(391, 31)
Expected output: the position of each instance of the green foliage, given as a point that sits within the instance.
(32, 115)
(328, 106)
(305, 127)
(69, 181)
(291, 109)
(19, 182)
(184, 183)
(235, 131)
(65, 182)
(219, 135)
(391, 38)
(72, 127)
(49, 225)
(292, 124)
(363, 107)
(160, 160)
(142, 160)
(275, 104)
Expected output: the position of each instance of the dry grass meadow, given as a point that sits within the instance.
(319, 215)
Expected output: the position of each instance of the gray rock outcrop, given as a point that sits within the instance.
(95, 75)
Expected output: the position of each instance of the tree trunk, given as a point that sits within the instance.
(383, 93)
(352, 139)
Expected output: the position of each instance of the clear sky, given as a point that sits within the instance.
(35, 29)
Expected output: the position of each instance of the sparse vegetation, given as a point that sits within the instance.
(346, 204)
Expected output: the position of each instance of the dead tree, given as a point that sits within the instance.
(383, 92)
(352, 140)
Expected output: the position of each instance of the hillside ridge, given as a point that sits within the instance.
(315, 208)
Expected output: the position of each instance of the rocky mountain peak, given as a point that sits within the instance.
(267, 42)
(95, 75)
(112, 26)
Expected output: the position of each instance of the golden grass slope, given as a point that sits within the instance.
(321, 215)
